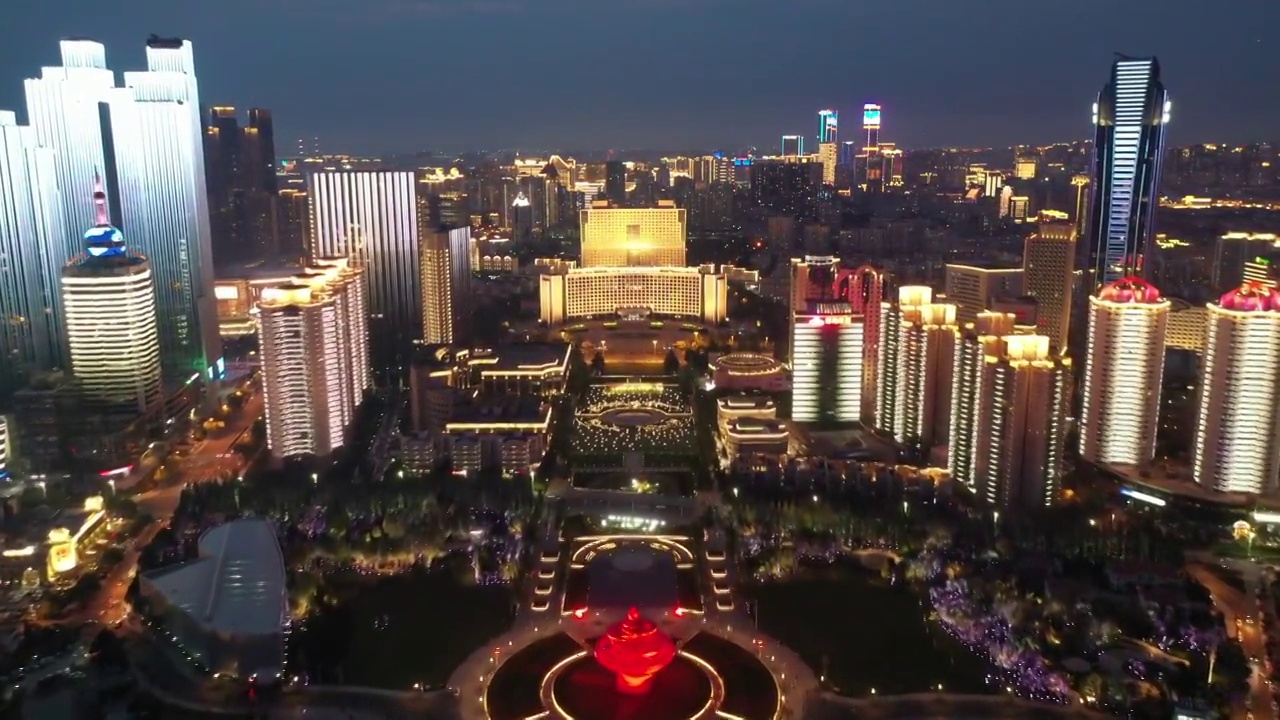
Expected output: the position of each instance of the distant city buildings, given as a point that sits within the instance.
(313, 332)
(1124, 369)
(972, 288)
(241, 179)
(1244, 256)
(1130, 116)
(1237, 435)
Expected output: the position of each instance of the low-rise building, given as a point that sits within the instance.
(229, 607)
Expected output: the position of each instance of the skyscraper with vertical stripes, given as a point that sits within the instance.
(1130, 117)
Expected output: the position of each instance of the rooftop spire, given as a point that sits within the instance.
(100, 200)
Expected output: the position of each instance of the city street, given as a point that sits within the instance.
(1240, 615)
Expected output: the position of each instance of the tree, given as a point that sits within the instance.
(111, 556)
(597, 363)
(670, 363)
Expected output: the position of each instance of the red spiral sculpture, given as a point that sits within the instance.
(634, 651)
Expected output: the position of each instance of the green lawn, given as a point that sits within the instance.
(419, 628)
(865, 633)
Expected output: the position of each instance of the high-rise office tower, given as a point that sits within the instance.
(827, 156)
(1020, 423)
(314, 339)
(828, 120)
(792, 145)
(293, 222)
(1078, 218)
(63, 106)
(1048, 274)
(241, 180)
(112, 327)
(446, 285)
(826, 343)
(915, 365)
(1237, 440)
(160, 173)
(374, 218)
(871, 126)
(1237, 254)
(619, 237)
(1130, 116)
(615, 182)
(1124, 369)
(977, 340)
(972, 288)
(32, 337)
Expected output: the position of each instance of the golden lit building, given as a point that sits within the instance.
(976, 341)
(1020, 428)
(915, 363)
(633, 237)
(567, 292)
(1048, 273)
(971, 288)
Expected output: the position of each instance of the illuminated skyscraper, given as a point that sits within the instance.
(972, 288)
(915, 365)
(827, 156)
(111, 321)
(1130, 116)
(1048, 274)
(31, 237)
(241, 180)
(1237, 255)
(792, 145)
(620, 237)
(826, 344)
(159, 170)
(63, 109)
(871, 126)
(1237, 441)
(976, 341)
(446, 285)
(1124, 369)
(374, 218)
(615, 182)
(866, 292)
(4, 448)
(827, 126)
(1020, 423)
(313, 333)
(869, 163)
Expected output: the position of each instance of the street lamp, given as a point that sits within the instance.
(112, 483)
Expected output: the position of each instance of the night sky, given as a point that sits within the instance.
(372, 76)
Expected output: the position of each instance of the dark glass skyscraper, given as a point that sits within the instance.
(1130, 117)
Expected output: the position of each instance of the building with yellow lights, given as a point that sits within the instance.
(567, 292)
(975, 342)
(971, 288)
(915, 365)
(633, 237)
(747, 438)
(1123, 374)
(1244, 256)
(1237, 436)
(1048, 274)
(314, 339)
(1020, 423)
(749, 371)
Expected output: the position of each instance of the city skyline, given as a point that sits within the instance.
(379, 94)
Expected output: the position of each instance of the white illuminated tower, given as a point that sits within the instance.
(63, 109)
(446, 285)
(1237, 441)
(915, 366)
(31, 239)
(1124, 369)
(827, 339)
(111, 321)
(313, 335)
(159, 167)
(977, 341)
(374, 219)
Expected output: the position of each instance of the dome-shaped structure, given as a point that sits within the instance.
(635, 651)
(1251, 297)
(1131, 289)
(103, 239)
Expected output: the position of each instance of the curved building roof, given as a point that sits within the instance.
(1130, 290)
(1251, 297)
(236, 586)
